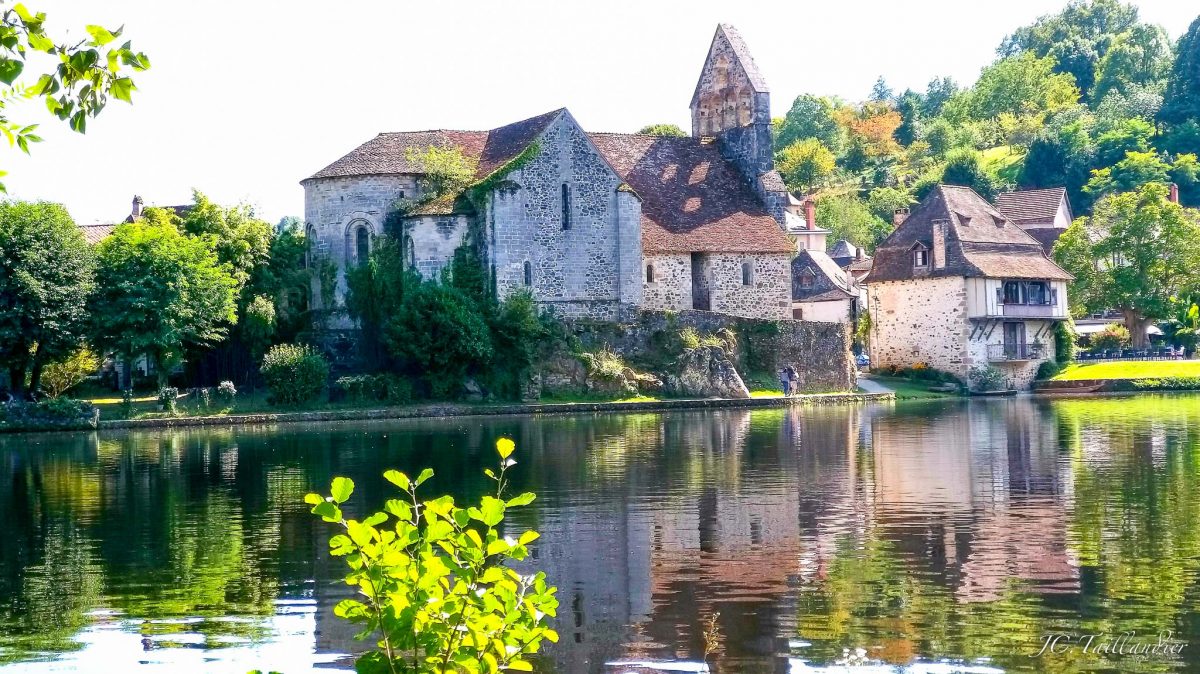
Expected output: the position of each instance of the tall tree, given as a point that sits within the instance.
(1135, 254)
(1139, 56)
(1077, 38)
(160, 291)
(811, 117)
(806, 164)
(1182, 100)
(74, 83)
(1021, 85)
(881, 92)
(46, 275)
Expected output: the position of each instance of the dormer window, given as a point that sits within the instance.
(920, 256)
(806, 279)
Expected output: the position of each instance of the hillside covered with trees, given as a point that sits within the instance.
(1091, 98)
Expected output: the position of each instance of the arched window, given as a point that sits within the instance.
(566, 206)
(649, 273)
(528, 274)
(747, 274)
(362, 245)
(310, 240)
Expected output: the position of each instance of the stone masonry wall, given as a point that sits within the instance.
(431, 241)
(820, 352)
(919, 321)
(767, 297)
(1020, 373)
(671, 289)
(576, 270)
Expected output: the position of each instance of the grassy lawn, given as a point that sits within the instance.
(1136, 369)
(908, 389)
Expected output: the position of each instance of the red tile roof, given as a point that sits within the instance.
(692, 199)
(94, 234)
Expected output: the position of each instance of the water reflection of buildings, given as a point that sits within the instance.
(989, 509)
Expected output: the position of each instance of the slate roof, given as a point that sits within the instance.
(742, 53)
(1047, 236)
(693, 200)
(94, 234)
(1031, 206)
(829, 281)
(391, 153)
(980, 242)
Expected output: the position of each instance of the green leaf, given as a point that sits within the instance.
(122, 89)
(528, 537)
(100, 35)
(505, 447)
(341, 489)
(397, 478)
(399, 508)
(328, 511)
(520, 666)
(522, 499)
(41, 43)
(10, 70)
(376, 519)
(491, 511)
(313, 499)
(425, 475)
(360, 533)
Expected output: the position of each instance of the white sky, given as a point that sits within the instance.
(247, 98)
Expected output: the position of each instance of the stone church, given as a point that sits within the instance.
(589, 222)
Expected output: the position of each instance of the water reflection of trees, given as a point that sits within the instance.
(960, 531)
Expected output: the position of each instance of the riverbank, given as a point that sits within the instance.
(437, 410)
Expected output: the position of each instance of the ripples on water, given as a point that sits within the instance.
(922, 537)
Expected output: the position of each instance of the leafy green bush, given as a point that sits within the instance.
(59, 413)
(439, 334)
(986, 378)
(382, 387)
(918, 372)
(295, 373)
(62, 375)
(1161, 384)
(1064, 342)
(1112, 336)
(434, 588)
(1048, 369)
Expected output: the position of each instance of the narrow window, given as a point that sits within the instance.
(528, 274)
(310, 240)
(920, 258)
(806, 279)
(362, 244)
(566, 206)
(747, 274)
(649, 273)
(1012, 292)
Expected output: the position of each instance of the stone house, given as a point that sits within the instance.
(958, 285)
(821, 290)
(588, 222)
(1044, 214)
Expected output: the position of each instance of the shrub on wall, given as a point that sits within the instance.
(439, 334)
(987, 378)
(1064, 341)
(295, 373)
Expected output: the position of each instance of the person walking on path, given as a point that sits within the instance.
(793, 380)
(785, 382)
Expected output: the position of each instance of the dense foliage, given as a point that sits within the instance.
(1136, 254)
(159, 291)
(433, 586)
(46, 276)
(665, 130)
(295, 373)
(1090, 98)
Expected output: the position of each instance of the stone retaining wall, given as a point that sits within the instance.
(820, 352)
(453, 410)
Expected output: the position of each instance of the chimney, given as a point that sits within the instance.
(899, 217)
(858, 253)
(810, 213)
(939, 243)
(137, 207)
(1174, 195)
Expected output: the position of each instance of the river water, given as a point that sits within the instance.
(981, 536)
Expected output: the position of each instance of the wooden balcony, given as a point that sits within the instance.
(1031, 311)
